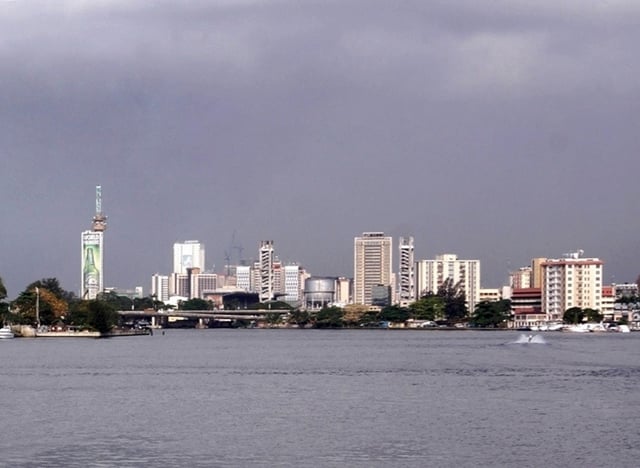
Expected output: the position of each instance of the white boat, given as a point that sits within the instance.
(577, 328)
(6, 333)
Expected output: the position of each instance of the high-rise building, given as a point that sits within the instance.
(536, 271)
(406, 271)
(188, 254)
(160, 287)
(520, 279)
(372, 265)
(277, 275)
(293, 284)
(243, 278)
(431, 274)
(92, 262)
(92, 253)
(571, 282)
(179, 285)
(266, 254)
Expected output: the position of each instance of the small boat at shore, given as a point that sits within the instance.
(6, 333)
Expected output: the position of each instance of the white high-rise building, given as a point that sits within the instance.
(160, 287)
(406, 271)
(266, 271)
(571, 282)
(431, 274)
(293, 285)
(188, 254)
(243, 277)
(372, 265)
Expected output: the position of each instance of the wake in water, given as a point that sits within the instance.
(529, 339)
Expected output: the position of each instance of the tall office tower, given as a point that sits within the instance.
(571, 282)
(277, 274)
(179, 285)
(188, 254)
(266, 271)
(202, 283)
(431, 274)
(91, 258)
(160, 287)
(293, 284)
(243, 277)
(536, 272)
(372, 260)
(407, 290)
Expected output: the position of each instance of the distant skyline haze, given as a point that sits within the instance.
(495, 130)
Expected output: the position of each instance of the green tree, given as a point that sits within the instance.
(593, 315)
(300, 318)
(429, 307)
(117, 301)
(329, 317)
(273, 318)
(3, 290)
(101, 316)
(45, 296)
(369, 318)
(4, 307)
(394, 314)
(78, 314)
(628, 299)
(573, 315)
(491, 314)
(455, 307)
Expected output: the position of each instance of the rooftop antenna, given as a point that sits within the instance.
(574, 255)
(99, 220)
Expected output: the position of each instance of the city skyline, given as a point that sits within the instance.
(499, 131)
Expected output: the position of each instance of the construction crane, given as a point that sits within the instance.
(234, 247)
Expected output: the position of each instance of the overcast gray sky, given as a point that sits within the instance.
(499, 129)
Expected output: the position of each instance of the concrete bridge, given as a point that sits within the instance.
(201, 317)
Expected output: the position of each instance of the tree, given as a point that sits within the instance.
(329, 317)
(593, 315)
(428, 307)
(299, 317)
(491, 314)
(455, 307)
(101, 316)
(78, 314)
(4, 307)
(117, 301)
(369, 318)
(273, 318)
(44, 296)
(394, 314)
(3, 290)
(573, 315)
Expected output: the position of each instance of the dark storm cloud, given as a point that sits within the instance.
(498, 130)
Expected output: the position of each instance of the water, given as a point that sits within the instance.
(311, 398)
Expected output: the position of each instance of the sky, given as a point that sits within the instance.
(498, 130)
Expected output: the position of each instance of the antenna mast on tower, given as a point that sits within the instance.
(99, 220)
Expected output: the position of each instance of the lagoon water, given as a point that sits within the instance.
(322, 398)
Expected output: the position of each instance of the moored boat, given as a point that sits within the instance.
(6, 333)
